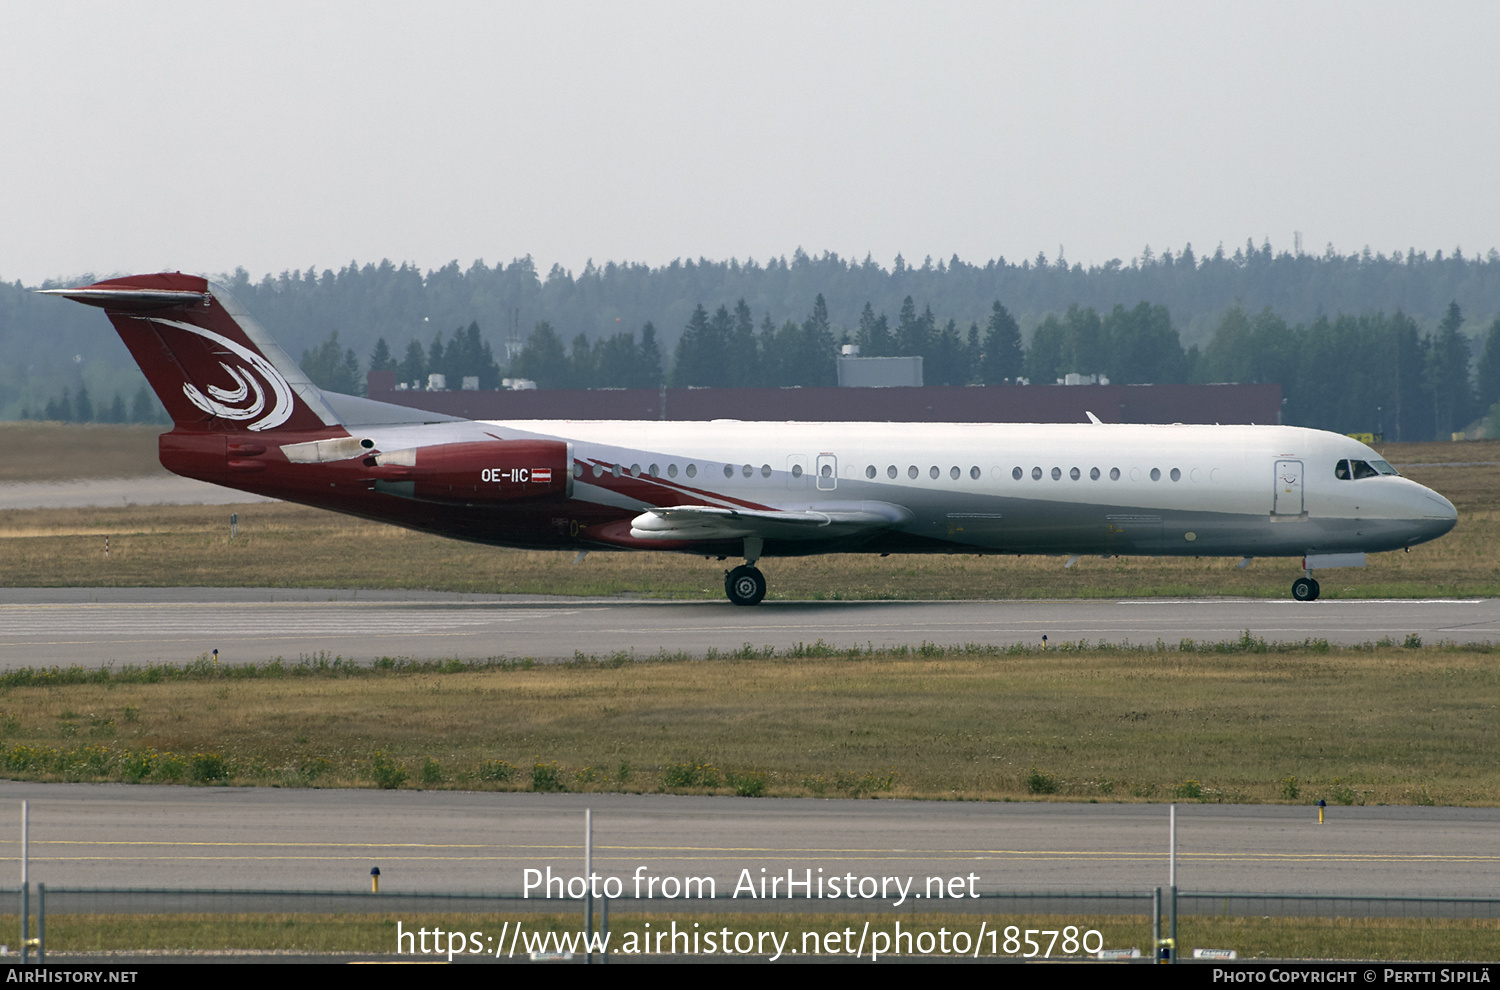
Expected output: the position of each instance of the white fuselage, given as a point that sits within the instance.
(1007, 488)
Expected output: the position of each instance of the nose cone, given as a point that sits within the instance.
(1438, 515)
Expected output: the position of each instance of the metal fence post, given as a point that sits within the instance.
(25, 889)
(41, 922)
(1156, 923)
(588, 874)
(1172, 927)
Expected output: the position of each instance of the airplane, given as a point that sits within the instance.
(245, 416)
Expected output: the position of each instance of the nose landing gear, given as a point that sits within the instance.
(746, 585)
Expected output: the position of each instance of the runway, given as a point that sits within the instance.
(45, 627)
(116, 835)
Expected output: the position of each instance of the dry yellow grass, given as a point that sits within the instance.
(1379, 725)
(65, 451)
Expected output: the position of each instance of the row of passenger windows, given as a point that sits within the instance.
(1017, 473)
(617, 470)
(1094, 474)
(934, 472)
(913, 472)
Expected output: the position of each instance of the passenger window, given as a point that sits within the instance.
(671, 470)
(692, 470)
(1056, 474)
(796, 470)
(765, 470)
(1016, 474)
(933, 472)
(911, 472)
(1093, 474)
(655, 471)
(870, 471)
(1075, 474)
(954, 472)
(1036, 474)
(1114, 474)
(974, 472)
(891, 472)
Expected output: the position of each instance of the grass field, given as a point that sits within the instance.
(66, 451)
(1253, 938)
(1230, 722)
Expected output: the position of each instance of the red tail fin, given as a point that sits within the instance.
(211, 365)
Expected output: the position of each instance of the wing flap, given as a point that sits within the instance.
(815, 522)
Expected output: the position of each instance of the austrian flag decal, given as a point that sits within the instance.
(542, 476)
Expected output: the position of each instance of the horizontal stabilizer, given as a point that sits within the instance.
(131, 299)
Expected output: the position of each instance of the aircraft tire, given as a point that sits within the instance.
(1305, 590)
(745, 585)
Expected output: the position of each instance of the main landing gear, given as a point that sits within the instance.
(1305, 589)
(746, 585)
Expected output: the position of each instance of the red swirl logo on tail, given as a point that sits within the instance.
(245, 399)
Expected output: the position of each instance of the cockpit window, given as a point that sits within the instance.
(1355, 470)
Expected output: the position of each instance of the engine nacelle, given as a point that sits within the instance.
(482, 471)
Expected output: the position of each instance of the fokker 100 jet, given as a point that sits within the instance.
(246, 416)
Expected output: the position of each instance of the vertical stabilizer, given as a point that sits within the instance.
(211, 364)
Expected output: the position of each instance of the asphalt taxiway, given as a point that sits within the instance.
(119, 835)
(93, 626)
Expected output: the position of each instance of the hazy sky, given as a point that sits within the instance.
(197, 136)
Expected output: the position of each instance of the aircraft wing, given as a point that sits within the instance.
(818, 522)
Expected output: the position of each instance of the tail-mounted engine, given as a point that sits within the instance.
(483, 471)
